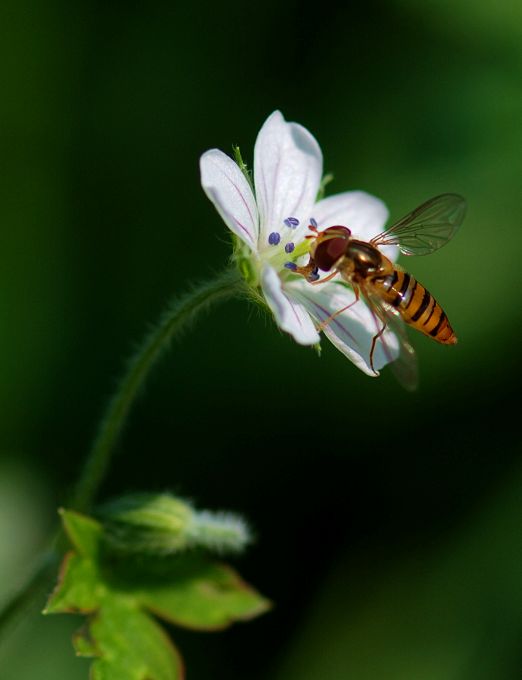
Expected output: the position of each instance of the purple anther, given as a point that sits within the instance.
(274, 238)
(289, 247)
(291, 266)
(291, 222)
(313, 222)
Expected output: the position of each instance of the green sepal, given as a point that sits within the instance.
(325, 181)
(243, 166)
(147, 523)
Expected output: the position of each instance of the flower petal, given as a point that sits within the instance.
(229, 191)
(363, 213)
(289, 314)
(288, 165)
(352, 331)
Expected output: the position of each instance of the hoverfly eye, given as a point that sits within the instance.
(339, 230)
(329, 251)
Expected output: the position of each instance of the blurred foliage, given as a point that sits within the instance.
(390, 508)
(448, 610)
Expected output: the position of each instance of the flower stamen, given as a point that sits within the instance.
(289, 247)
(274, 238)
(291, 222)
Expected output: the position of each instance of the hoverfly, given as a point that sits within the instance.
(392, 295)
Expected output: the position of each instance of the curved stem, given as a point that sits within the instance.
(178, 314)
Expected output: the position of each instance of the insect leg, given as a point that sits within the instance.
(305, 270)
(376, 337)
(403, 362)
(330, 318)
(328, 278)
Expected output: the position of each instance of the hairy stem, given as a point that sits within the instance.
(178, 314)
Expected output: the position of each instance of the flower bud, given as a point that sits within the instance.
(162, 524)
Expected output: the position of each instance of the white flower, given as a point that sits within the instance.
(273, 223)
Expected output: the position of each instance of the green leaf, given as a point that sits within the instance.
(79, 589)
(83, 643)
(202, 595)
(127, 644)
(84, 533)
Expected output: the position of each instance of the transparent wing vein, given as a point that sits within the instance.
(427, 228)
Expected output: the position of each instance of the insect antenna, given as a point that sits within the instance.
(313, 227)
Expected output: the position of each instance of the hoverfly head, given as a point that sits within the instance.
(329, 246)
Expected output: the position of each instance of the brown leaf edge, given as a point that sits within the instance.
(265, 605)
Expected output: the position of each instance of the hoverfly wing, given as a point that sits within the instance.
(404, 367)
(427, 228)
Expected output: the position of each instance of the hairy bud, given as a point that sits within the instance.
(162, 524)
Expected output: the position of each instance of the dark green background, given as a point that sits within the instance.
(388, 524)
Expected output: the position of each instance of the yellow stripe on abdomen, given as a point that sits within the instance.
(418, 307)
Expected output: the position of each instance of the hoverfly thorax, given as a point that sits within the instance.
(329, 246)
(365, 259)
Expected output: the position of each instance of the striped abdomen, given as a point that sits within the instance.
(417, 306)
